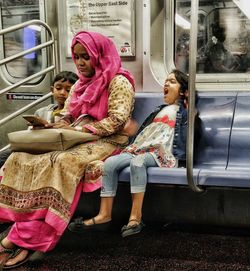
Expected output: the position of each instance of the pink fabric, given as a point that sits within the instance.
(166, 120)
(91, 128)
(27, 229)
(90, 187)
(91, 94)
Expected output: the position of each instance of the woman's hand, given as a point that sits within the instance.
(59, 124)
(130, 128)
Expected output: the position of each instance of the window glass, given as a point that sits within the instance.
(15, 12)
(223, 36)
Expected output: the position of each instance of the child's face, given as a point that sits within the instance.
(171, 90)
(61, 90)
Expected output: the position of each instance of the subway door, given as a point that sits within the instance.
(13, 13)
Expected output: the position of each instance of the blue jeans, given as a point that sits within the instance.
(138, 172)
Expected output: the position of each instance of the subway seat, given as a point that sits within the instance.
(222, 153)
(237, 172)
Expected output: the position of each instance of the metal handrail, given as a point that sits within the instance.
(191, 95)
(25, 108)
(27, 79)
(5, 148)
(53, 67)
(38, 47)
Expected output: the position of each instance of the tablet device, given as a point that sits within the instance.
(35, 120)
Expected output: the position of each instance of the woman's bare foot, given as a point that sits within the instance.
(7, 243)
(20, 257)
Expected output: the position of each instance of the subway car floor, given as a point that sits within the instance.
(175, 247)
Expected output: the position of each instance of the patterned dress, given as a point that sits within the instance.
(44, 189)
(157, 138)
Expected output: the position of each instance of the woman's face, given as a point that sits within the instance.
(171, 90)
(82, 61)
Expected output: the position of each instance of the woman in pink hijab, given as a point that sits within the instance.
(39, 193)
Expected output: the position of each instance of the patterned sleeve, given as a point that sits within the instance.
(120, 106)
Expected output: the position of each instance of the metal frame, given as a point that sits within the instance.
(191, 95)
(53, 67)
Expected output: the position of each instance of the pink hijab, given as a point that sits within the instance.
(91, 93)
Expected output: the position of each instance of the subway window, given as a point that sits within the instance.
(15, 12)
(223, 36)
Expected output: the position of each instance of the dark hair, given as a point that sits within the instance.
(182, 79)
(66, 76)
(218, 31)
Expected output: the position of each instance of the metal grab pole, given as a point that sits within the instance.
(191, 94)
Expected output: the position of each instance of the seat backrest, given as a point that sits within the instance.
(216, 111)
(239, 153)
(145, 103)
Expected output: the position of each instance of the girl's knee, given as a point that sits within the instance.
(109, 164)
(137, 161)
